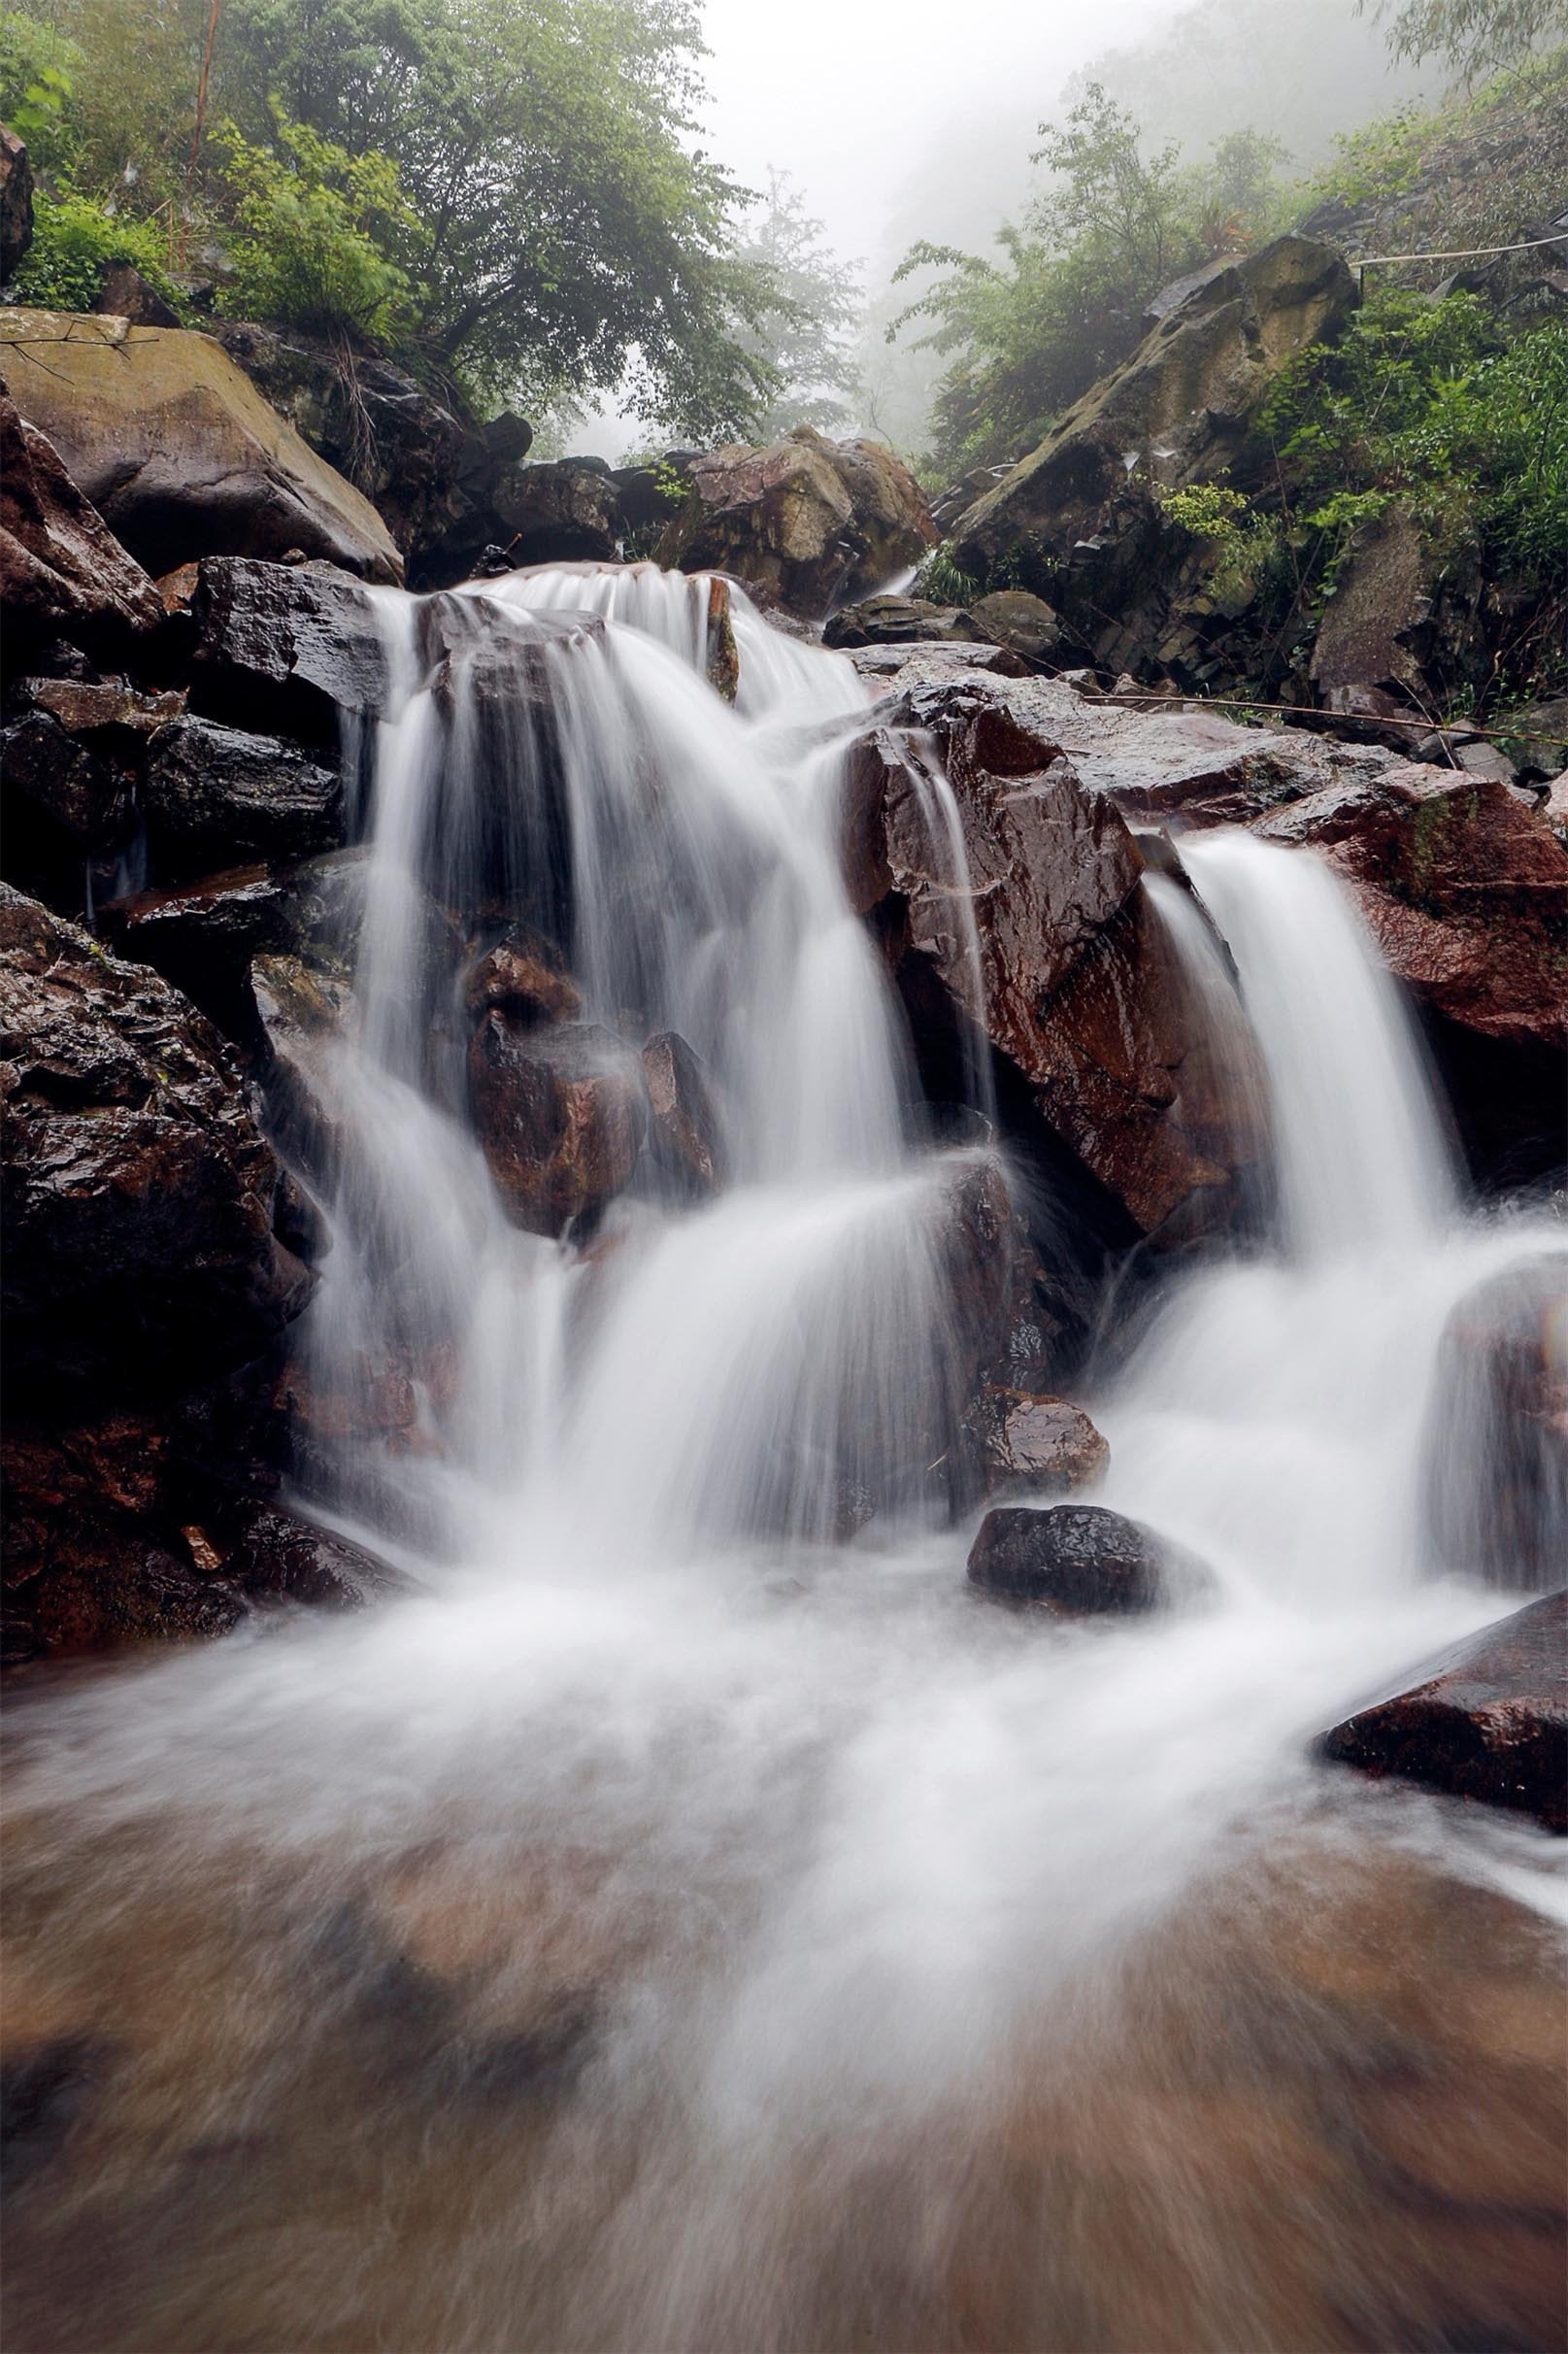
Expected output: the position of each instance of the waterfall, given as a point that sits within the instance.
(680, 1921)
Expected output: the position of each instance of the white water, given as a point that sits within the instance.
(894, 1826)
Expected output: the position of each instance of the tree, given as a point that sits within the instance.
(1476, 36)
(1066, 303)
(574, 238)
(806, 336)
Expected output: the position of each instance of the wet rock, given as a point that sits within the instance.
(894, 668)
(301, 1011)
(1080, 1561)
(524, 977)
(215, 796)
(1036, 1441)
(204, 936)
(1496, 1446)
(87, 801)
(805, 525)
(560, 1115)
(272, 1555)
(723, 654)
(282, 646)
(1184, 408)
(1487, 1720)
(178, 449)
(900, 621)
(15, 201)
(139, 1196)
(684, 1129)
(1380, 602)
(1080, 991)
(1466, 895)
(1024, 624)
(62, 571)
(563, 510)
(125, 293)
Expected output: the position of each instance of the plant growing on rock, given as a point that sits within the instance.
(75, 241)
(315, 233)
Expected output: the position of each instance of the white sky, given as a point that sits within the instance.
(848, 95)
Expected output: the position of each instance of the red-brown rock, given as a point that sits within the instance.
(560, 1115)
(1487, 1720)
(62, 571)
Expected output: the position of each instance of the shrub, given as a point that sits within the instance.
(38, 67)
(315, 230)
(75, 241)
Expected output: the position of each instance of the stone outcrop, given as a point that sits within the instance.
(216, 796)
(62, 571)
(15, 201)
(179, 450)
(1008, 618)
(142, 1205)
(805, 525)
(1078, 992)
(280, 646)
(1183, 409)
(1496, 1443)
(1080, 1561)
(1466, 895)
(560, 1113)
(1487, 1720)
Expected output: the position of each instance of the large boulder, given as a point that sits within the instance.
(1081, 1560)
(1496, 1444)
(143, 1208)
(563, 509)
(281, 645)
(806, 523)
(179, 450)
(15, 201)
(561, 1112)
(1072, 983)
(1466, 895)
(1487, 1720)
(1079, 517)
(62, 571)
(216, 796)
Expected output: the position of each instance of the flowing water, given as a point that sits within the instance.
(676, 1924)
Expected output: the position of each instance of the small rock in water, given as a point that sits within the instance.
(1080, 1561)
(1041, 1441)
(1487, 1720)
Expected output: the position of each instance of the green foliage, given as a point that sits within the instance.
(577, 238)
(74, 241)
(1435, 404)
(38, 67)
(1027, 336)
(315, 230)
(942, 580)
(1209, 511)
(1474, 36)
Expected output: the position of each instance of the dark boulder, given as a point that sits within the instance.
(1080, 1561)
(684, 1129)
(15, 201)
(215, 796)
(1027, 1439)
(141, 1200)
(1022, 622)
(1466, 895)
(59, 794)
(805, 525)
(1496, 1446)
(901, 620)
(125, 293)
(1079, 994)
(290, 646)
(1487, 1720)
(560, 1114)
(561, 510)
(62, 571)
(523, 975)
(179, 449)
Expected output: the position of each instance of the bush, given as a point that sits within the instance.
(75, 241)
(38, 67)
(314, 233)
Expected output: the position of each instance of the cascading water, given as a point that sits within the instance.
(671, 1927)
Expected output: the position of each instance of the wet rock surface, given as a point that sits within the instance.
(805, 525)
(1032, 1441)
(284, 646)
(561, 1114)
(1497, 1447)
(683, 1123)
(215, 796)
(61, 568)
(1487, 1720)
(179, 450)
(1081, 1560)
(141, 1198)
